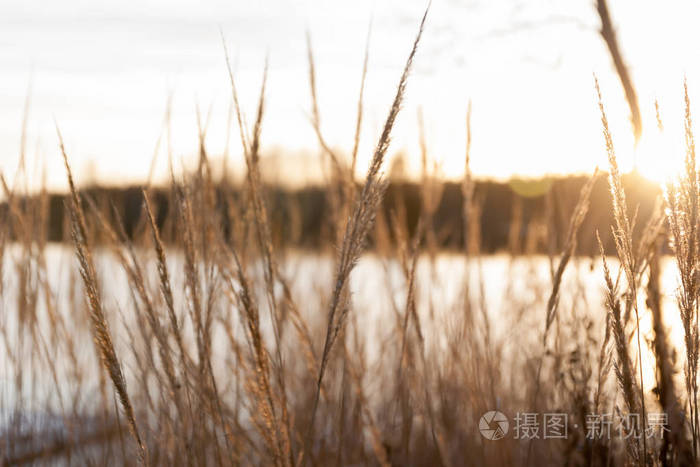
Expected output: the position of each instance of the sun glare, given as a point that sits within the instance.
(659, 156)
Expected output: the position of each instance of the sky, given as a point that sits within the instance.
(103, 73)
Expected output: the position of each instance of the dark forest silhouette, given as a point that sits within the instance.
(515, 215)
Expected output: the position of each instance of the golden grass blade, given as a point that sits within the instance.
(359, 226)
(100, 329)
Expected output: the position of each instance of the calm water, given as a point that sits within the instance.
(514, 291)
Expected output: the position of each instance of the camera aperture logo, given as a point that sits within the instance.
(493, 425)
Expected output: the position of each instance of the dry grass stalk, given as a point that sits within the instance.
(607, 32)
(431, 192)
(579, 214)
(360, 108)
(630, 259)
(315, 113)
(682, 215)
(359, 226)
(674, 442)
(575, 222)
(165, 287)
(268, 422)
(623, 365)
(100, 328)
(138, 282)
(468, 185)
(271, 269)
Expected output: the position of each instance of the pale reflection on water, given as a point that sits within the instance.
(513, 292)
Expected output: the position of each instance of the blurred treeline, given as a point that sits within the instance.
(519, 216)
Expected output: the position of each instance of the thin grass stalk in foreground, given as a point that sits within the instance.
(359, 226)
(674, 440)
(360, 107)
(165, 288)
(100, 329)
(623, 365)
(341, 187)
(266, 420)
(136, 278)
(471, 218)
(315, 113)
(467, 185)
(624, 246)
(604, 365)
(575, 222)
(683, 204)
(340, 180)
(580, 211)
(262, 224)
(411, 312)
(271, 270)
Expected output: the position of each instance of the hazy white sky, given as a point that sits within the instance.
(104, 72)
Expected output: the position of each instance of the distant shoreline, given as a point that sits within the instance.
(297, 215)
